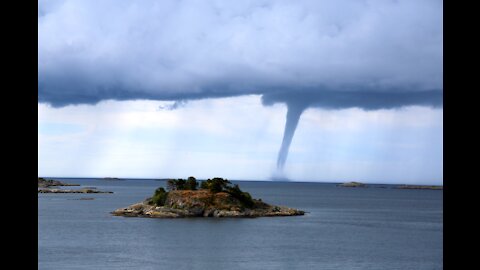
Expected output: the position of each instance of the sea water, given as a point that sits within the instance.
(378, 227)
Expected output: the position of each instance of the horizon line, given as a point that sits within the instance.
(285, 180)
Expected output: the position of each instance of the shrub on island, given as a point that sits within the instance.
(159, 197)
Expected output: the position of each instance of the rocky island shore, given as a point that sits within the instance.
(215, 198)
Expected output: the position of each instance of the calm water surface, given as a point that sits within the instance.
(345, 228)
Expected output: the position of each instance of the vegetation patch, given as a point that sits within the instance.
(214, 185)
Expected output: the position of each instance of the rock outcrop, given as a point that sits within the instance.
(203, 203)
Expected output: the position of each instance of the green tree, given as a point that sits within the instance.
(191, 183)
(204, 184)
(179, 184)
(244, 197)
(171, 184)
(159, 197)
(215, 185)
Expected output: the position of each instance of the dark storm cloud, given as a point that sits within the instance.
(366, 99)
(332, 54)
(311, 53)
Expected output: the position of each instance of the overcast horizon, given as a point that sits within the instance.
(327, 91)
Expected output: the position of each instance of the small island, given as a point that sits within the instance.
(112, 179)
(216, 197)
(419, 187)
(45, 183)
(45, 186)
(83, 190)
(352, 184)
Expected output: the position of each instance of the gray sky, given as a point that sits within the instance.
(324, 57)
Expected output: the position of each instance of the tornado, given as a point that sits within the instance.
(294, 111)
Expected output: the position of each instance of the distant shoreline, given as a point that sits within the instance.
(112, 179)
(84, 190)
(419, 187)
(393, 185)
(363, 185)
